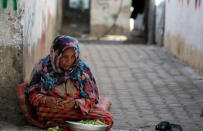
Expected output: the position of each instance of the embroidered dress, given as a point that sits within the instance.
(77, 84)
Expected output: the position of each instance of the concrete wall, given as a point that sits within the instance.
(183, 31)
(11, 55)
(104, 13)
(25, 34)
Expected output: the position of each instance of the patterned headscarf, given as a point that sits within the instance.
(47, 73)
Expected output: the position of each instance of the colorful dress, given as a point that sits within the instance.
(49, 80)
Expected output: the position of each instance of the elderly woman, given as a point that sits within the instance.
(62, 87)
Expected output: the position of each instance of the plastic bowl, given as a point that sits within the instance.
(76, 126)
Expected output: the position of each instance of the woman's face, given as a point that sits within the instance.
(67, 59)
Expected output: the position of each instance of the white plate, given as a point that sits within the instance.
(76, 126)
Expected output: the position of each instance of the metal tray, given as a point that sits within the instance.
(76, 126)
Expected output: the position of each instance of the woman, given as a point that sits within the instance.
(62, 87)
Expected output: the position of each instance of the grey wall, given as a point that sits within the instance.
(11, 64)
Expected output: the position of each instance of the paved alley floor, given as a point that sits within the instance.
(145, 85)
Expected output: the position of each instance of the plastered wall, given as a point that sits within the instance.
(11, 43)
(183, 31)
(106, 14)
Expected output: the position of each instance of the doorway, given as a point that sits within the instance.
(138, 21)
(76, 17)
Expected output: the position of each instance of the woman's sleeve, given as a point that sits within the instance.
(84, 104)
(34, 86)
(91, 87)
(36, 98)
(35, 79)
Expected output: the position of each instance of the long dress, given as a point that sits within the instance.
(52, 116)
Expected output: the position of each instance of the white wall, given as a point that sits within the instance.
(184, 31)
(37, 15)
(186, 21)
(39, 31)
(103, 14)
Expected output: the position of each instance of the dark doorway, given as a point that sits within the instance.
(138, 21)
(76, 17)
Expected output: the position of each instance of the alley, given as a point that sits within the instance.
(146, 56)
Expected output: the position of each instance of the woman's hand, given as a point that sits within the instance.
(51, 101)
(85, 105)
(69, 103)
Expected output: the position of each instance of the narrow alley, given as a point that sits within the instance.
(146, 57)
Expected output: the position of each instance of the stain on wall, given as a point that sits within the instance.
(185, 52)
(197, 3)
(183, 31)
(110, 14)
(10, 76)
(103, 3)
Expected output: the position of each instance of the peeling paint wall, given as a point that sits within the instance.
(106, 13)
(183, 31)
(39, 31)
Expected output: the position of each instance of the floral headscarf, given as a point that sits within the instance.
(47, 73)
